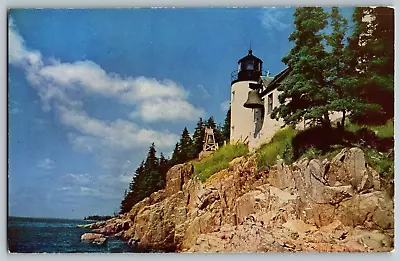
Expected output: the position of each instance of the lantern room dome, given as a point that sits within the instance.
(249, 68)
(250, 58)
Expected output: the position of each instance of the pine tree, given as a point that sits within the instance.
(210, 123)
(371, 63)
(218, 135)
(342, 98)
(164, 167)
(151, 162)
(134, 194)
(198, 137)
(305, 94)
(175, 155)
(186, 151)
(151, 167)
(226, 129)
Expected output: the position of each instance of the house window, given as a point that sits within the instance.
(270, 105)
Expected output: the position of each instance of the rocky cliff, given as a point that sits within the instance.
(338, 205)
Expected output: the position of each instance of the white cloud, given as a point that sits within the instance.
(272, 19)
(14, 107)
(64, 83)
(62, 88)
(77, 179)
(46, 163)
(225, 105)
(17, 52)
(158, 109)
(93, 78)
(203, 91)
(166, 99)
(117, 135)
(85, 191)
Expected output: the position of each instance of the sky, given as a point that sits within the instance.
(90, 90)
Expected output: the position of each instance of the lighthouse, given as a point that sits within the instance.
(245, 112)
(254, 95)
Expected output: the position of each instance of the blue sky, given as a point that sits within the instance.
(89, 90)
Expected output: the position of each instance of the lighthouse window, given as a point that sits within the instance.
(270, 103)
(250, 66)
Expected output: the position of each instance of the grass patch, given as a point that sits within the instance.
(312, 153)
(315, 153)
(335, 151)
(280, 146)
(219, 160)
(381, 131)
(383, 163)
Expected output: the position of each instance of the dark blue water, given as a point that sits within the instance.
(44, 235)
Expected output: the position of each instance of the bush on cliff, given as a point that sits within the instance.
(280, 145)
(375, 140)
(219, 160)
(381, 131)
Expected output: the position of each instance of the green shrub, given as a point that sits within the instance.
(312, 153)
(219, 160)
(383, 163)
(381, 131)
(280, 146)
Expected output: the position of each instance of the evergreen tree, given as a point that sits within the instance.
(370, 55)
(342, 98)
(148, 178)
(305, 94)
(175, 155)
(198, 137)
(226, 129)
(186, 151)
(210, 123)
(218, 135)
(164, 167)
(134, 194)
(151, 162)
(151, 167)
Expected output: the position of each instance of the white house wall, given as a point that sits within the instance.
(270, 126)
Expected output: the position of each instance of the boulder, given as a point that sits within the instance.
(176, 177)
(375, 208)
(250, 203)
(94, 238)
(85, 226)
(349, 168)
(100, 241)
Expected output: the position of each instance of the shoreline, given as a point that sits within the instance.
(316, 205)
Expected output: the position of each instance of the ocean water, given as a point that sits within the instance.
(46, 235)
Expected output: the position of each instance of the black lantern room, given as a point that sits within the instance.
(249, 69)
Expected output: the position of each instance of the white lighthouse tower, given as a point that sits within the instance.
(243, 118)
